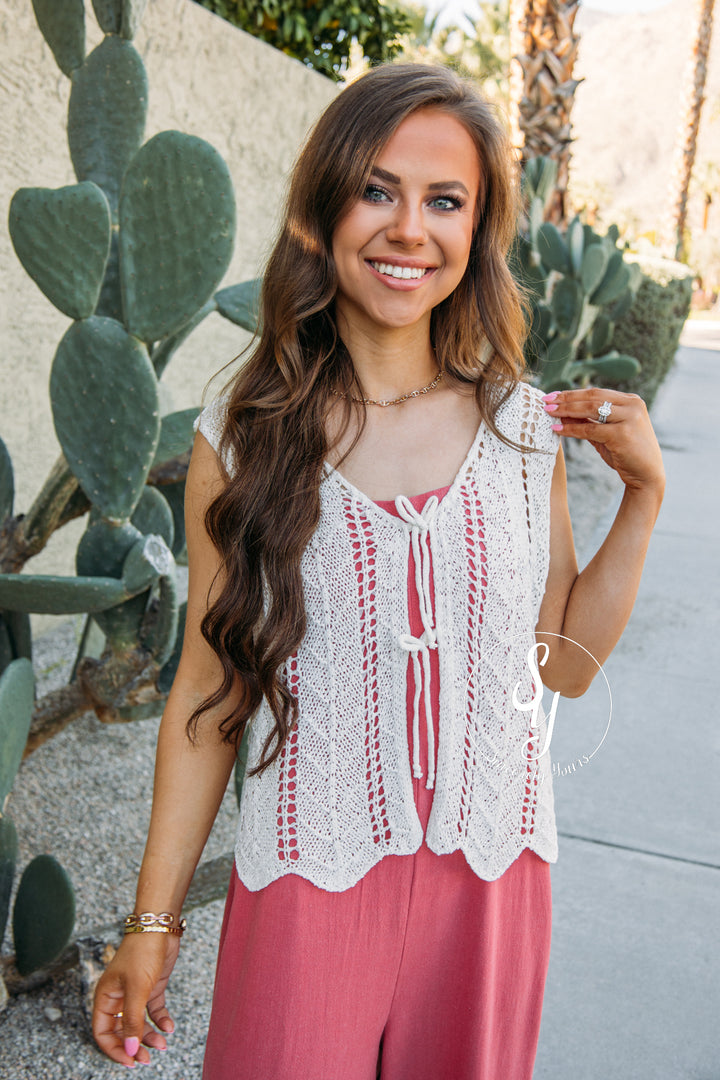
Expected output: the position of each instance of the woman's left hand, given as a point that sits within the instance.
(626, 441)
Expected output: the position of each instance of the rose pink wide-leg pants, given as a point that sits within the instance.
(448, 970)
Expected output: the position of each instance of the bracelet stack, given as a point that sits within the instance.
(148, 923)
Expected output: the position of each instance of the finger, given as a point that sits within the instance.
(135, 1030)
(155, 1040)
(107, 1024)
(583, 429)
(586, 404)
(160, 1017)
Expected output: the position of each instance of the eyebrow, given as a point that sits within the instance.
(391, 178)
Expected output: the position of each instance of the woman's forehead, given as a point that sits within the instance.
(432, 143)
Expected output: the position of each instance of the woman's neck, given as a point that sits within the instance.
(390, 362)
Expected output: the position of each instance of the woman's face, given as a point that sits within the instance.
(403, 247)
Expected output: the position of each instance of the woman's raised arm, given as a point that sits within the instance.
(190, 781)
(593, 607)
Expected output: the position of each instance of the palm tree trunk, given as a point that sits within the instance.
(690, 125)
(544, 47)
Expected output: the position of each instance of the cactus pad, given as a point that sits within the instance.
(241, 304)
(104, 399)
(567, 304)
(119, 16)
(601, 335)
(614, 282)
(164, 351)
(7, 482)
(551, 248)
(154, 515)
(17, 699)
(615, 367)
(62, 238)
(8, 861)
(176, 436)
(106, 117)
(148, 559)
(594, 265)
(576, 245)
(175, 497)
(560, 352)
(102, 551)
(160, 635)
(62, 24)
(48, 594)
(177, 228)
(44, 914)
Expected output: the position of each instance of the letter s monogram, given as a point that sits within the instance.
(534, 705)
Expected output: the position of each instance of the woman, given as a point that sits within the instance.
(378, 536)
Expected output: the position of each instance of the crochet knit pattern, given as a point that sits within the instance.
(339, 797)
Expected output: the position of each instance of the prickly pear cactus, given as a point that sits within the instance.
(177, 228)
(105, 406)
(43, 915)
(69, 273)
(134, 253)
(63, 26)
(579, 285)
(40, 922)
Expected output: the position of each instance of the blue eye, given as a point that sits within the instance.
(450, 202)
(373, 193)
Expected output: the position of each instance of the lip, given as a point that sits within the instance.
(402, 284)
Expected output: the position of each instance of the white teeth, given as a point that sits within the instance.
(406, 272)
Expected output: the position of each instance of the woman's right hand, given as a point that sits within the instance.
(135, 980)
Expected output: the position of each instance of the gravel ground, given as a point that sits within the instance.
(85, 798)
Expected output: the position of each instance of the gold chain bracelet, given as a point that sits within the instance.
(148, 923)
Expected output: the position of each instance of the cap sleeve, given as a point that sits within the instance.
(211, 423)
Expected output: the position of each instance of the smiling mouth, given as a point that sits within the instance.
(403, 273)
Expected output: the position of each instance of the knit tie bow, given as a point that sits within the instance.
(419, 647)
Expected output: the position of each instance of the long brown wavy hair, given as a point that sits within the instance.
(278, 403)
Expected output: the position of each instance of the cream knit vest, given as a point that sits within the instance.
(340, 795)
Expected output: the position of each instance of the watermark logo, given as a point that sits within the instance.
(536, 703)
(588, 717)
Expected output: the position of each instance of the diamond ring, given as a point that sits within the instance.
(604, 411)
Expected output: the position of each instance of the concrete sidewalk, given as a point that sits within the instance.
(633, 989)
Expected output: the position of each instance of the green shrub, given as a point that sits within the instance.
(320, 35)
(651, 329)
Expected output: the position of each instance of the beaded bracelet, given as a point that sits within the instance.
(148, 923)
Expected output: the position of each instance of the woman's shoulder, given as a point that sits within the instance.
(522, 417)
(211, 421)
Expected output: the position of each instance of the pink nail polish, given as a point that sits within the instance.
(550, 397)
(548, 407)
(556, 427)
(132, 1046)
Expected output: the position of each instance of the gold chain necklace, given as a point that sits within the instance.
(395, 401)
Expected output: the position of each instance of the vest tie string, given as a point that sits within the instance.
(418, 647)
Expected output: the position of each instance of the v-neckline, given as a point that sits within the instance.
(332, 473)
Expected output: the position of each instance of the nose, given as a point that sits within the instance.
(408, 225)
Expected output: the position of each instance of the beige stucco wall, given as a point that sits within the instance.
(254, 104)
